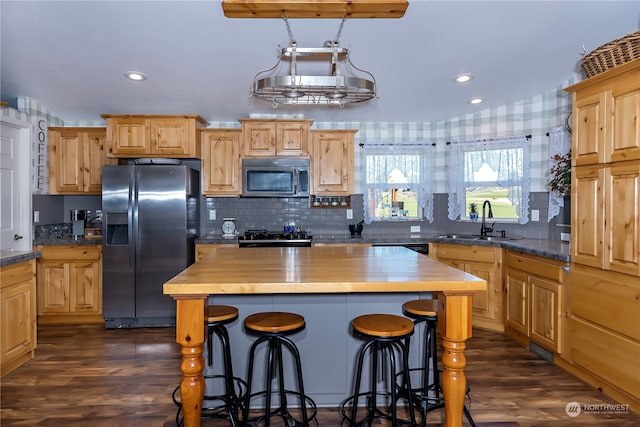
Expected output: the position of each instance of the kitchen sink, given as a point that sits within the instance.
(477, 237)
(460, 236)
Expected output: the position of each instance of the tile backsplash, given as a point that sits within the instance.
(273, 213)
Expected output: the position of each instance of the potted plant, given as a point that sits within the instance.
(560, 174)
(473, 211)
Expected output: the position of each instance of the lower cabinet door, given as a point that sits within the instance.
(545, 313)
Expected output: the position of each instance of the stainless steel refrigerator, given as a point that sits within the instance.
(150, 222)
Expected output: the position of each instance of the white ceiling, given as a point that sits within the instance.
(71, 55)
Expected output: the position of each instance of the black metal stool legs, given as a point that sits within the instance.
(275, 363)
(231, 395)
(377, 347)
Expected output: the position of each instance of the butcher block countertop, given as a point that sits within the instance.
(318, 270)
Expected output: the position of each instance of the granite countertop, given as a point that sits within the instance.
(545, 248)
(66, 241)
(13, 257)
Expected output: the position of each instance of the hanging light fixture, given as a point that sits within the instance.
(340, 86)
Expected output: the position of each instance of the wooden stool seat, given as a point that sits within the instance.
(221, 313)
(382, 325)
(274, 322)
(421, 308)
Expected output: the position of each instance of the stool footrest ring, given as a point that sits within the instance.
(284, 413)
(374, 413)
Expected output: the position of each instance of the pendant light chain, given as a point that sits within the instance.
(340, 30)
(292, 41)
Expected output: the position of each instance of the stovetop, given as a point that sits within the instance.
(266, 235)
(263, 237)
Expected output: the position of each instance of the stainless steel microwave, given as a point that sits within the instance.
(275, 177)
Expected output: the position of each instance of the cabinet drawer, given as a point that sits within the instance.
(16, 273)
(466, 253)
(610, 300)
(72, 253)
(547, 269)
(608, 355)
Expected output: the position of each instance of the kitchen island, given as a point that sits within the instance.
(321, 270)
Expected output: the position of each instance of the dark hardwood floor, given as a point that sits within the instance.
(89, 376)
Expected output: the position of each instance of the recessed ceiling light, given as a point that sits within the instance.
(476, 101)
(462, 78)
(135, 75)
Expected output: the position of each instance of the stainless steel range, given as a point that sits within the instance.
(270, 239)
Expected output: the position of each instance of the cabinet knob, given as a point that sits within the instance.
(17, 237)
(566, 268)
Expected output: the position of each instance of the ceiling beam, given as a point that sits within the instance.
(314, 8)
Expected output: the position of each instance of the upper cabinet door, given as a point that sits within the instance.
(221, 162)
(590, 114)
(625, 141)
(65, 161)
(129, 136)
(173, 136)
(259, 139)
(292, 139)
(93, 159)
(332, 162)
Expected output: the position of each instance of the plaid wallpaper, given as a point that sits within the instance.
(535, 116)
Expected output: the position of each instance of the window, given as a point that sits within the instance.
(397, 181)
(496, 170)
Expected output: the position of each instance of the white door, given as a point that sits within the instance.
(15, 188)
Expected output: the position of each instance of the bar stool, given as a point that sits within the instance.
(385, 333)
(426, 311)
(274, 328)
(234, 388)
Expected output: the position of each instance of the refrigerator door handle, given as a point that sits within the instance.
(132, 210)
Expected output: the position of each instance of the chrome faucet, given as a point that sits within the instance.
(484, 229)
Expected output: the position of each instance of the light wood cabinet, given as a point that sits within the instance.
(70, 284)
(76, 156)
(332, 162)
(604, 283)
(484, 262)
(605, 117)
(606, 177)
(269, 138)
(587, 210)
(17, 314)
(158, 136)
(605, 338)
(534, 306)
(221, 164)
(621, 224)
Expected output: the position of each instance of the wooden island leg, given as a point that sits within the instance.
(190, 330)
(454, 321)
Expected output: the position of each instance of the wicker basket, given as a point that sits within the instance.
(610, 55)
